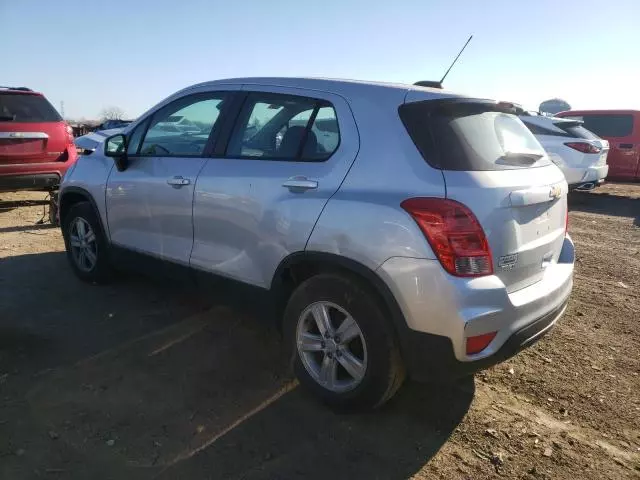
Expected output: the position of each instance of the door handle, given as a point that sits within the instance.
(300, 184)
(178, 181)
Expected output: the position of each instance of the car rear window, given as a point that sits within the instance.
(607, 125)
(20, 107)
(561, 129)
(578, 131)
(471, 135)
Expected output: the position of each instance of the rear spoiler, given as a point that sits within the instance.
(565, 122)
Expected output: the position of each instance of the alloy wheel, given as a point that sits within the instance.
(84, 247)
(331, 346)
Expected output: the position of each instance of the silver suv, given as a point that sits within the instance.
(389, 228)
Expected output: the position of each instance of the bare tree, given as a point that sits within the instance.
(111, 113)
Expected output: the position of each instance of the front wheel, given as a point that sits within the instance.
(86, 246)
(344, 350)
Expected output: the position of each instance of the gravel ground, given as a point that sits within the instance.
(142, 379)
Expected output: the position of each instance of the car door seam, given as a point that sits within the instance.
(353, 161)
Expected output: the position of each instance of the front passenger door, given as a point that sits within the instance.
(149, 205)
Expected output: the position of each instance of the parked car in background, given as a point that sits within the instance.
(622, 129)
(581, 155)
(110, 124)
(420, 231)
(36, 145)
(87, 144)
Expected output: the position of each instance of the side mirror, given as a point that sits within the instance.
(116, 148)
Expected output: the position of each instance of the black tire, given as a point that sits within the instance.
(384, 372)
(101, 271)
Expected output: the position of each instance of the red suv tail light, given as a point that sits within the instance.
(455, 235)
(69, 130)
(583, 147)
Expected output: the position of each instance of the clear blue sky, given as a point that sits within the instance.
(134, 53)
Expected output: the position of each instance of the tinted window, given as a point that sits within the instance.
(136, 137)
(26, 108)
(578, 131)
(607, 125)
(165, 139)
(470, 135)
(561, 129)
(325, 128)
(454, 135)
(285, 127)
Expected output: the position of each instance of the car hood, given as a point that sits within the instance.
(90, 141)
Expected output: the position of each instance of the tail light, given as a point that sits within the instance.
(69, 131)
(455, 235)
(583, 147)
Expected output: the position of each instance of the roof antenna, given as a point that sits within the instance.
(435, 84)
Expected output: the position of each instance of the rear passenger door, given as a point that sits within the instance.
(258, 199)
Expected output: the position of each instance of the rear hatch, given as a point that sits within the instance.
(575, 129)
(31, 130)
(495, 166)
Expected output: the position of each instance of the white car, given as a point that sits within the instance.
(87, 144)
(580, 154)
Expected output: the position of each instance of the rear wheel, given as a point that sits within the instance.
(343, 348)
(86, 245)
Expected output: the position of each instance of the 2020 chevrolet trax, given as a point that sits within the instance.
(392, 228)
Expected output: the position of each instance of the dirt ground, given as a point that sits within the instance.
(141, 380)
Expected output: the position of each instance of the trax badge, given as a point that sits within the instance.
(555, 191)
(507, 262)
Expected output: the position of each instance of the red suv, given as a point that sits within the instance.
(36, 145)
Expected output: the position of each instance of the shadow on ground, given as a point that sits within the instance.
(27, 228)
(605, 203)
(296, 438)
(147, 383)
(48, 317)
(8, 205)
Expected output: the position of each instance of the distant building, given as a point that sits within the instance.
(553, 106)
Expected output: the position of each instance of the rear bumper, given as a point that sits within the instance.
(431, 357)
(580, 176)
(34, 176)
(441, 311)
(34, 181)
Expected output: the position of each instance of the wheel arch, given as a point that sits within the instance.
(298, 267)
(73, 195)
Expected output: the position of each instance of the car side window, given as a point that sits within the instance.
(327, 132)
(284, 127)
(183, 127)
(136, 136)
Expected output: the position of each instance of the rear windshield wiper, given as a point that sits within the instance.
(520, 158)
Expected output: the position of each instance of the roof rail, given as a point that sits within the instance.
(21, 89)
